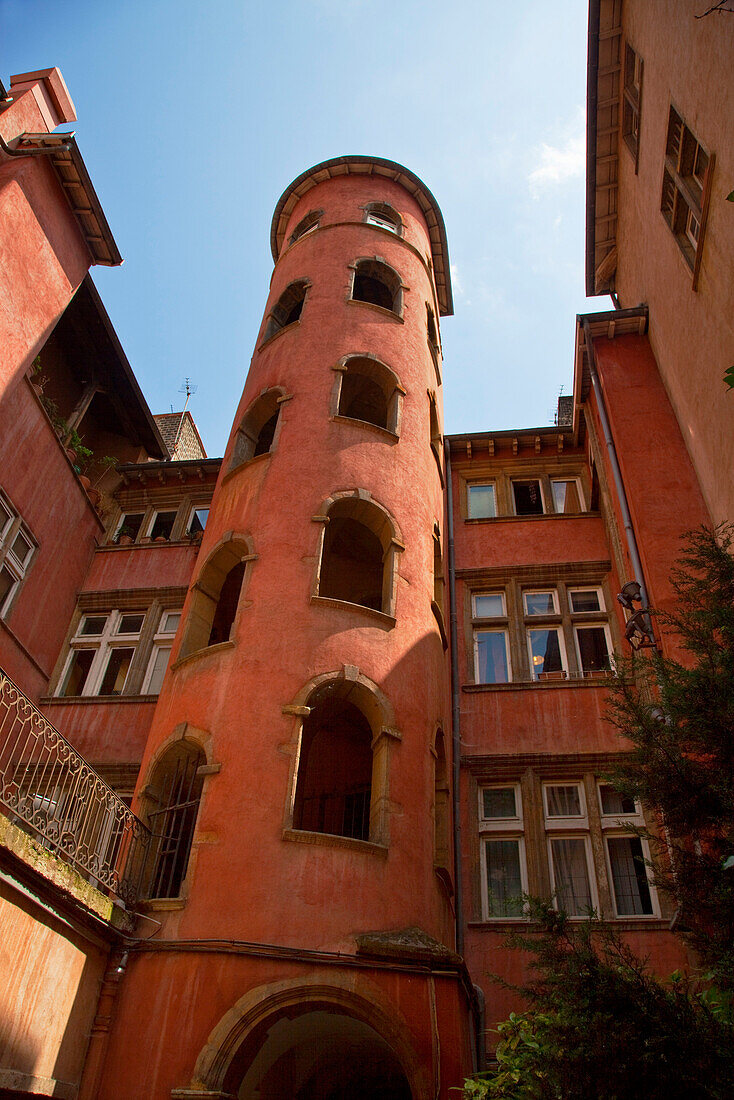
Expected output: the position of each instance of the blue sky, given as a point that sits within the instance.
(194, 117)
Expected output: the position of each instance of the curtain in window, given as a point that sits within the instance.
(571, 875)
(629, 877)
(504, 884)
(492, 658)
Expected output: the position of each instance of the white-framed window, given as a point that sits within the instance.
(593, 648)
(544, 601)
(128, 526)
(481, 500)
(527, 497)
(17, 548)
(547, 652)
(492, 657)
(569, 848)
(488, 605)
(627, 855)
(503, 864)
(567, 495)
(585, 600)
(383, 216)
(161, 524)
(161, 652)
(101, 653)
(564, 804)
(197, 520)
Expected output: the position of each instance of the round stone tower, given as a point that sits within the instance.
(296, 775)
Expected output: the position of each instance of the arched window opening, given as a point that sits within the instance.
(334, 786)
(352, 567)
(431, 329)
(378, 284)
(172, 805)
(287, 309)
(215, 598)
(439, 583)
(440, 806)
(367, 390)
(256, 433)
(383, 216)
(306, 225)
(436, 435)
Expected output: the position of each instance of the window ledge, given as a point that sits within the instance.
(503, 925)
(379, 309)
(286, 328)
(538, 685)
(331, 840)
(87, 700)
(387, 621)
(246, 465)
(218, 648)
(388, 435)
(161, 905)
(150, 544)
(531, 519)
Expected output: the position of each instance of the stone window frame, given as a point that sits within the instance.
(390, 537)
(436, 434)
(686, 194)
(233, 547)
(397, 311)
(498, 829)
(268, 402)
(438, 603)
(433, 340)
(13, 528)
(377, 710)
(386, 210)
(274, 326)
(632, 102)
(183, 506)
(502, 479)
(530, 775)
(306, 225)
(513, 583)
(394, 398)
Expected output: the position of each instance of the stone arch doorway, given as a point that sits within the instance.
(321, 1054)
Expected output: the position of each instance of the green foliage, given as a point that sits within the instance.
(729, 374)
(598, 1024)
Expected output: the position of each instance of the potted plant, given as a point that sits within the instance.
(107, 463)
(37, 379)
(125, 536)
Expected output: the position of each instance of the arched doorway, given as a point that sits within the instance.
(323, 1055)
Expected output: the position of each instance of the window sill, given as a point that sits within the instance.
(161, 905)
(150, 544)
(87, 700)
(503, 925)
(379, 309)
(190, 657)
(386, 621)
(286, 328)
(387, 435)
(246, 465)
(331, 840)
(595, 681)
(531, 519)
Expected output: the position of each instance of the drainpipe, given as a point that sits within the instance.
(616, 472)
(455, 709)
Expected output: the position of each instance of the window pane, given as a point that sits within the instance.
(498, 802)
(21, 548)
(130, 624)
(563, 801)
(115, 675)
(504, 882)
(130, 525)
(160, 663)
(7, 582)
(170, 621)
(162, 525)
(76, 677)
(93, 624)
(585, 600)
(489, 606)
(383, 221)
(545, 652)
(540, 603)
(198, 521)
(5, 517)
(593, 648)
(491, 650)
(566, 496)
(481, 502)
(571, 875)
(528, 498)
(614, 802)
(629, 876)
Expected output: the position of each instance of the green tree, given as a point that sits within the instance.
(598, 1023)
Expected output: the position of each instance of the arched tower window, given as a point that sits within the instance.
(306, 225)
(376, 282)
(287, 310)
(357, 559)
(215, 597)
(383, 216)
(368, 391)
(436, 434)
(440, 807)
(256, 433)
(172, 804)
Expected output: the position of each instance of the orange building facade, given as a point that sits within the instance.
(285, 736)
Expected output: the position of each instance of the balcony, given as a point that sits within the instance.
(48, 790)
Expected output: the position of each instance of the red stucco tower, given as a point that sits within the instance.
(307, 936)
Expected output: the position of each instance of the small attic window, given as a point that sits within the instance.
(306, 225)
(383, 216)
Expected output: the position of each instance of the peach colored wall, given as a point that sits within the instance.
(104, 733)
(688, 62)
(42, 486)
(159, 565)
(50, 984)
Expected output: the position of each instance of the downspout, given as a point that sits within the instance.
(455, 709)
(616, 472)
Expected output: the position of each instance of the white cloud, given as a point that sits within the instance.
(562, 161)
(455, 280)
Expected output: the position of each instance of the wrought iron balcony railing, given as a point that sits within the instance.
(51, 792)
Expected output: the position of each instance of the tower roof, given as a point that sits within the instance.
(377, 166)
